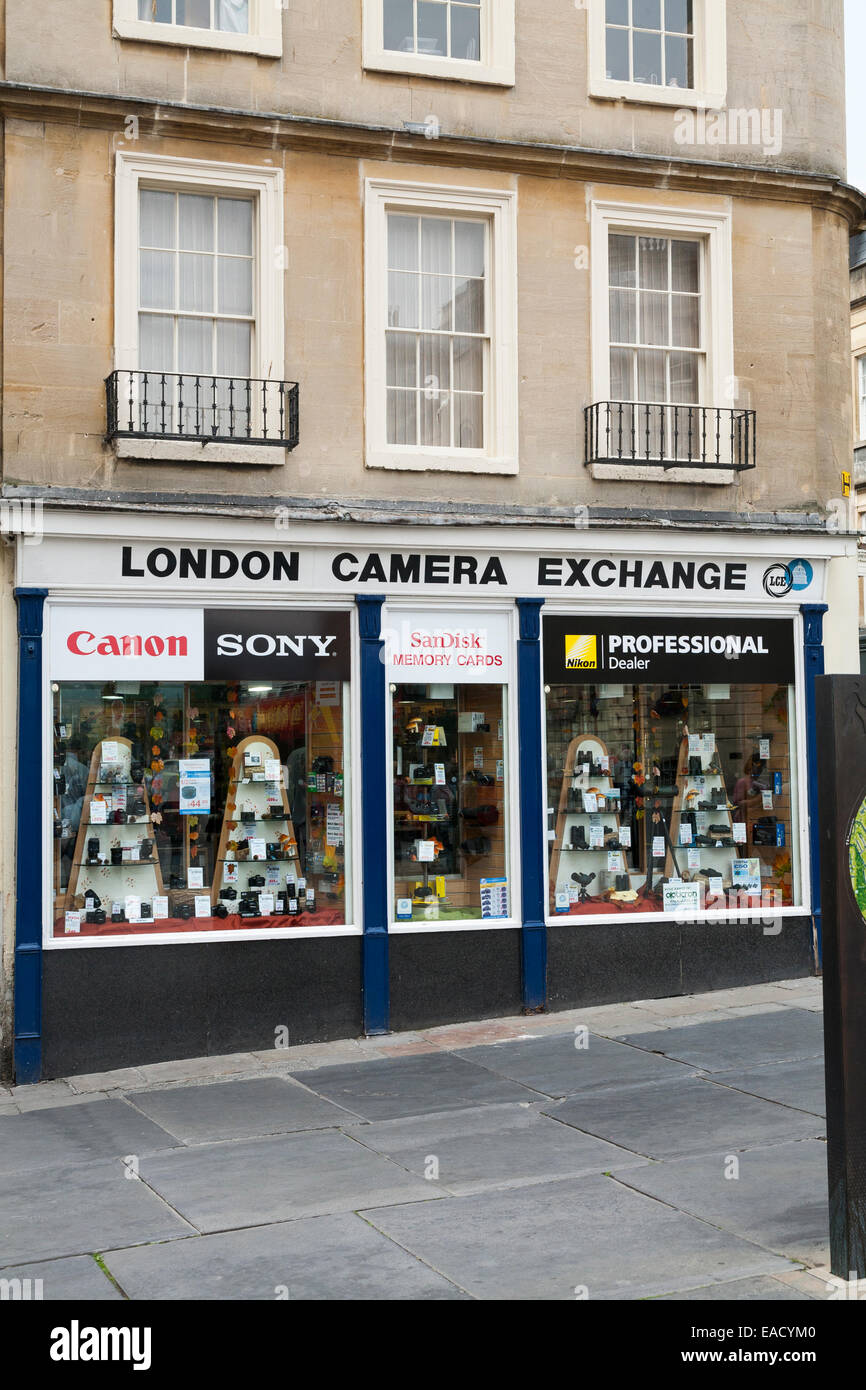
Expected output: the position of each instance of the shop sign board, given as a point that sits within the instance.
(585, 650)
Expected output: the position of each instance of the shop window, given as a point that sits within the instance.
(241, 26)
(658, 51)
(199, 807)
(468, 40)
(678, 795)
(450, 803)
(861, 396)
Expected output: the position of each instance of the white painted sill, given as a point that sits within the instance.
(652, 473)
(647, 94)
(439, 461)
(178, 451)
(445, 69)
(182, 36)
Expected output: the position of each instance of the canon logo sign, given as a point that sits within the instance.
(274, 644)
(83, 643)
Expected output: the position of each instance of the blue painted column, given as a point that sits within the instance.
(532, 794)
(374, 816)
(813, 647)
(27, 1046)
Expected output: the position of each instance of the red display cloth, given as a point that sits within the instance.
(174, 926)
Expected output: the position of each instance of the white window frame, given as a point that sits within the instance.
(496, 66)
(710, 62)
(265, 35)
(499, 454)
(861, 396)
(265, 186)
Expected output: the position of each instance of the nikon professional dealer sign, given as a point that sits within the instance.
(674, 651)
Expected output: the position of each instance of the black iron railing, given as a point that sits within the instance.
(672, 436)
(205, 409)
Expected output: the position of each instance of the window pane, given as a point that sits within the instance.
(155, 343)
(678, 16)
(432, 28)
(196, 283)
(646, 14)
(157, 218)
(623, 316)
(648, 58)
(654, 327)
(468, 421)
(686, 320)
(617, 12)
(158, 11)
(685, 367)
(233, 16)
(469, 306)
(401, 359)
(402, 417)
(195, 222)
(468, 364)
(678, 62)
(622, 261)
(685, 265)
(436, 245)
(617, 65)
(402, 242)
(621, 374)
(469, 247)
(235, 285)
(398, 35)
(195, 346)
(195, 13)
(233, 349)
(436, 301)
(402, 300)
(157, 279)
(435, 365)
(436, 420)
(466, 32)
(651, 376)
(235, 218)
(653, 263)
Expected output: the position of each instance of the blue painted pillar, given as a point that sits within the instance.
(27, 1045)
(813, 647)
(374, 816)
(532, 792)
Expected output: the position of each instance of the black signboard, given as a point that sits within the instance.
(288, 644)
(648, 650)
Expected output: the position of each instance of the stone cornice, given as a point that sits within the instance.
(272, 130)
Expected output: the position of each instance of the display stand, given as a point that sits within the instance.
(576, 828)
(265, 804)
(702, 798)
(110, 783)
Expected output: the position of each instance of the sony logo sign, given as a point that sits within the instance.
(270, 644)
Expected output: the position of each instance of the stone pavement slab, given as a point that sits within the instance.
(495, 1146)
(797, 1084)
(73, 1134)
(661, 1120)
(325, 1257)
(73, 1210)
(555, 1067)
(779, 1199)
(238, 1109)
(557, 1237)
(78, 1278)
(782, 1035)
(254, 1181)
(761, 1289)
(389, 1089)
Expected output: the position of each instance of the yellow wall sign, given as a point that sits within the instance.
(581, 653)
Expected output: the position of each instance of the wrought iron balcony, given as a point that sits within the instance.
(669, 436)
(202, 409)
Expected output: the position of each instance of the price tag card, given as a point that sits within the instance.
(110, 753)
(596, 836)
(118, 799)
(439, 774)
(708, 745)
(625, 836)
(426, 851)
(273, 771)
(605, 762)
(763, 749)
(694, 858)
(98, 813)
(685, 833)
(702, 820)
(573, 893)
(132, 908)
(478, 759)
(230, 873)
(590, 801)
(202, 905)
(658, 846)
(272, 876)
(500, 770)
(739, 829)
(767, 800)
(777, 783)
(258, 849)
(614, 861)
(266, 903)
(160, 908)
(694, 745)
(195, 878)
(499, 730)
(72, 923)
(428, 736)
(716, 888)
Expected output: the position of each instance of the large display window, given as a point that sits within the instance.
(678, 794)
(199, 805)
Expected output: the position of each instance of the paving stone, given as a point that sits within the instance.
(124, 1079)
(798, 1084)
(238, 1109)
(782, 1035)
(494, 1146)
(326, 1258)
(44, 1092)
(73, 1134)
(587, 1232)
(70, 1211)
(196, 1068)
(661, 1120)
(763, 1289)
(779, 1199)
(254, 1181)
(399, 1086)
(77, 1279)
(556, 1067)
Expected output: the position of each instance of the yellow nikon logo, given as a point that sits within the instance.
(581, 653)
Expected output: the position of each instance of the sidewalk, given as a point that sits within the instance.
(678, 1154)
